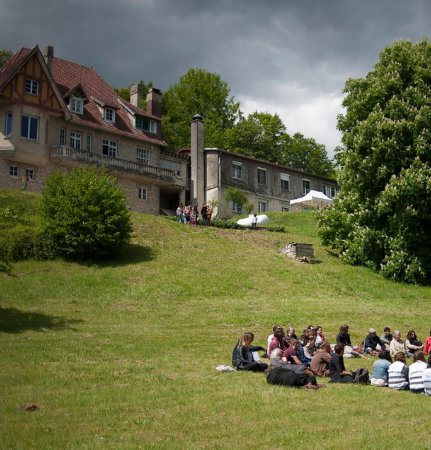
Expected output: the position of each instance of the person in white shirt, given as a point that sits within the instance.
(416, 373)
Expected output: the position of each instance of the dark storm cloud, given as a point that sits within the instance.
(290, 57)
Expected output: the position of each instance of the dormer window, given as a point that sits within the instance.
(144, 124)
(109, 115)
(76, 105)
(32, 87)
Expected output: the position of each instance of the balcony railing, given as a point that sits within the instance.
(62, 152)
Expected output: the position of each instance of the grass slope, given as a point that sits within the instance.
(122, 353)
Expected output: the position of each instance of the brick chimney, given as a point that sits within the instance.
(48, 54)
(136, 94)
(154, 102)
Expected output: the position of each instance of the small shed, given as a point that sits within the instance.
(315, 199)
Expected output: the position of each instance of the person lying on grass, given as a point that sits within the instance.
(320, 362)
(337, 370)
(253, 348)
(285, 377)
(244, 359)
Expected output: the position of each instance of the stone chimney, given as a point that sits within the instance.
(197, 155)
(136, 94)
(154, 102)
(48, 54)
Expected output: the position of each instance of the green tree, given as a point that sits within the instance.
(382, 218)
(304, 153)
(236, 196)
(5, 56)
(85, 213)
(198, 92)
(259, 136)
(125, 93)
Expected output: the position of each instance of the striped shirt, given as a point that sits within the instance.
(398, 375)
(415, 375)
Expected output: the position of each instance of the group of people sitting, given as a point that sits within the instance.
(190, 214)
(297, 361)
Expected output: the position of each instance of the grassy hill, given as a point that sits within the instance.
(121, 354)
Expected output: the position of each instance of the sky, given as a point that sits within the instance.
(290, 57)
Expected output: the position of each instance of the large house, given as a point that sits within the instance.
(55, 114)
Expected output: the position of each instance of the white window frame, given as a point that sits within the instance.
(143, 155)
(262, 206)
(327, 187)
(14, 171)
(306, 190)
(285, 208)
(259, 171)
(235, 208)
(142, 194)
(8, 125)
(30, 174)
(284, 177)
(237, 170)
(75, 140)
(62, 136)
(32, 87)
(111, 148)
(110, 115)
(76, 105)
(28, 135)
(152, 128)
(89, 142)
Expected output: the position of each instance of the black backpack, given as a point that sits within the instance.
(361, 376)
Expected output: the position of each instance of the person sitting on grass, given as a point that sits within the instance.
(413, 344)
(337, 370)
(321, 359)
(277, 361)
(284, 377)
(278, 341)
(244, 358)
(253, 348)
(416, 371)
(399, 373)
(397, 344)
(290, 334)
(319, 336)
(306, 346)
(344, 336)
(292, 355)
(373, 344)
(274, 329)
(380, 368)
(386, 337)
(428, 345)
(426, 378)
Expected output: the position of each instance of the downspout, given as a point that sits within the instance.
(219, 186)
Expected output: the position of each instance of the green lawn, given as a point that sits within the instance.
(121, 355)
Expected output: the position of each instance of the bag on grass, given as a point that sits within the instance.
(224, 368)
(361, 376)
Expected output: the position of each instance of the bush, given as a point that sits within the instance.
(85, 213)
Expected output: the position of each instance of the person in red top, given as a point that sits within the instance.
(428, 344)
(278, 341)
(291, 354)
(204, 214)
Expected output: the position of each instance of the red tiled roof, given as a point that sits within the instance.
(9, 69)
(67, 75)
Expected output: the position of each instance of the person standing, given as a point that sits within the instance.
(209, 214)
(204, 214)
(254, 221)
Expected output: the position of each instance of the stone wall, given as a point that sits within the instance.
(296, 250)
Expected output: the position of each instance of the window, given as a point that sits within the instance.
(236, 208)
(285, 208)
(285, 182)
(110, 148)
(143, 155)
(30, 127)
(88, 142)
(261, 207)
(330, 191)
(145, 124)
(109, 115)
(62, 136)
(142, 194)
(14, 171)
(75, 140)
(261, 176)
(76, 105)
(237, 170)
(8, 130)
(32, 87)
(306, 187)
(29, 173)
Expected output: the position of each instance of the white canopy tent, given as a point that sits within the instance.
(315, 199)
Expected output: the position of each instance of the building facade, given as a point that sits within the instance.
(58, 115)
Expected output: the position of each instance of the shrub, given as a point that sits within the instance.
(85, 213)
